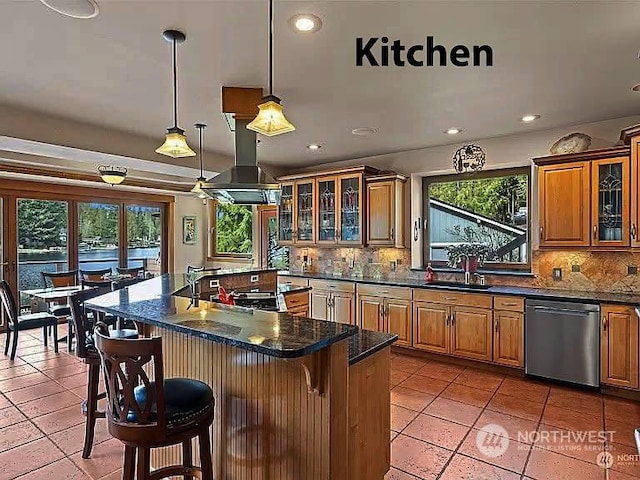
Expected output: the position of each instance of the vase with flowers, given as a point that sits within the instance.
(467, 255)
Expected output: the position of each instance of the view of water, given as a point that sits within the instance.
(29, 276)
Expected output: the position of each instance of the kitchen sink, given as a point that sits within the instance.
(473, 286)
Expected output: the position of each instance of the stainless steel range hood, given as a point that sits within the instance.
(245, 183)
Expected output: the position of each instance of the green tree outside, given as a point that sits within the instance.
(234, 228)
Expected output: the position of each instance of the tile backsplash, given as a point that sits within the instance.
(587, 271)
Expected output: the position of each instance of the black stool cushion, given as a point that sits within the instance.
(185, 399)
(60, 310)
(34, 320)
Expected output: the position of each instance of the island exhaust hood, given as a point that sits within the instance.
(244, 183)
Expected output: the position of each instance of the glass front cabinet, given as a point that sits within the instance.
(610, 207)
(286, 215)
(326, 210)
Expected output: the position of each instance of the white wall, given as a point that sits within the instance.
(189, 205)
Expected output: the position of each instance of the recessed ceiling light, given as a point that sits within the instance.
(529, 118)
(453, 131)
(73, 8)
(314, 146)
(636, 88)
(364, 131)
(305, 23)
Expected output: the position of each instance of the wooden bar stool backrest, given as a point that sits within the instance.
(133, 271)
(60, 279)
(81, 323)
(123, 363)
(94, 275)
(102, 286)
(9, 305)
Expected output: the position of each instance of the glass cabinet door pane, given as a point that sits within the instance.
(610, 211)
(327, 211)
(285, 214)
(350, 210)
(305, 212)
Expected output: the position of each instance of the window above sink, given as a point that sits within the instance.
(490, 208)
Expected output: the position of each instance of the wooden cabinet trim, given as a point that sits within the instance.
(515, 304)
(333, 285)
(450, 297)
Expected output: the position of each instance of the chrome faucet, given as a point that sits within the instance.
(467, 278)
(480, 278)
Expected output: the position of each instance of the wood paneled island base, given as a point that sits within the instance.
(313, 417)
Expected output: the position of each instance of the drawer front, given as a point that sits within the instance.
(400, 293)
(333, 285)
(297, 299)
(453, 298)
(512, 304)
(295, 281)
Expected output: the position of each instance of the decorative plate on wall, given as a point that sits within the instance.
(572, 143)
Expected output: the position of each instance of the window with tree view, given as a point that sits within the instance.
(487, 211)
(233, 229)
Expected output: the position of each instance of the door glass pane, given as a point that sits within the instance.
(610, 202)
(350, 210)
(305, 212)
(144, 238)
(42, 241)
(327, 211)
(98, 227)
(285, 214)
(277, 255)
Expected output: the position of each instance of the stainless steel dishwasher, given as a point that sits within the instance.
(562, 341)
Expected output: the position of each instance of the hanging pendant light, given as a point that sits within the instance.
(197, 188)
(270, 120)
(175, 143)
(112, 175)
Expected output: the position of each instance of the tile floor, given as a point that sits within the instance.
(440, 415)
(450, 422)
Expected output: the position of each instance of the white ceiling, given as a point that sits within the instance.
(569, 61)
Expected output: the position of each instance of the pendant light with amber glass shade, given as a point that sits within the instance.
(270, 120)
(175, 144)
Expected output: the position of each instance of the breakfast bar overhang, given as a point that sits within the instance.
(296, 398)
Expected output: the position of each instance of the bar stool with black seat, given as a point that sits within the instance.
(17, 323)
(86, 351)
(146, 414)
(61, 311)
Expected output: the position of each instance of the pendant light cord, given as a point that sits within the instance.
(270, 47)
(201, 128)
(175, 85)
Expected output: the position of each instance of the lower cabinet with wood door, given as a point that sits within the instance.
(333, 301)
(508, 331)
(386, 309)
(454, 323)
(619, 346)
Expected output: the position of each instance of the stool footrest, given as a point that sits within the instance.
(176, 471)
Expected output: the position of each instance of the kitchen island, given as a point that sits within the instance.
(296, 398)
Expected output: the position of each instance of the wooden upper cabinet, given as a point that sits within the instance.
(305, 212)
(398, 315)
(635, 194)
(385, 211)
(564, 201)
(286, 215)
(610, 202)
(508, 338)
(471, 332)
(619, 345)
(350, 210)
(327, 217)
(431, 327)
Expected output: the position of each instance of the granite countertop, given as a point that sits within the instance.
(367, 342)
(234, 271)
(155, 302)
(528, 292)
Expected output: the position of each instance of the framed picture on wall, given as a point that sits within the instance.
(189, 230)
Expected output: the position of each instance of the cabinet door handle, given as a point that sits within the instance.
(450, 299)
(509, 304)
(391, 233)
(416, 230)
(453, 319)
(633, 231)
(604, 323)
(497, 326)
(447, 319)
(381, 310)
(541, 233)
(595, 232)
